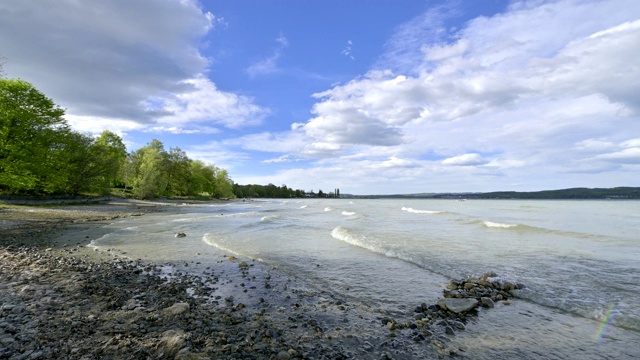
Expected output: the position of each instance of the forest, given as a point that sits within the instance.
(41, 155)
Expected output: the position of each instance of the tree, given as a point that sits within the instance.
(179, 172)
(32, 138)
(224, 185)
(149, 165)
(110, 151)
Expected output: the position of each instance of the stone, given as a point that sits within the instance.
(457, 305)
(176, 309)
(488, 275)
(173, 340)
(180, 235)
(452, 286)
(469, 285)
(487, 302)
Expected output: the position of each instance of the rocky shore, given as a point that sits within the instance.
(60, 300)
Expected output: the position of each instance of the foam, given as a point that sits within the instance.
(415, 211)
(491, 224)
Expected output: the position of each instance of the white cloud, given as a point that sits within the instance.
(110, 61)
(465, 160)
(394, 162)
(269, 65)
(205, 103)
(542, 87)
(269, 142)
(348, 51)
(280, 159)
(180, 130)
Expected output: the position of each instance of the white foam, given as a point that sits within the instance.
(415, 211)
(328, 208)
(208, 238)
(343, 234)
(270, 218)
(304, 206)
(491, 224)
(348, 213)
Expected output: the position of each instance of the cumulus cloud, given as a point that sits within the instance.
(465, 160)
(205, 103)
(394, 162)
(119, 61)
(280, 159)
(545, 85)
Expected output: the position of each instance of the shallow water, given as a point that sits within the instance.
(578, 259)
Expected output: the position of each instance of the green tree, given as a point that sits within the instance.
(224, 185)
(178, 172)
(109, 150)
(32, 138)
(150, 176)
(201, 178)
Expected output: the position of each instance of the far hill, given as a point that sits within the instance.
(573, 193)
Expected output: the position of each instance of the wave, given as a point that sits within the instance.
(348, 213)
(208, 238)
(270, 218)
(304, 206)
(491, 224)
(415, 211)
(328, 208)
(343, 234)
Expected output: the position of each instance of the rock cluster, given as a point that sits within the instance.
(433, 323)
(487, 289)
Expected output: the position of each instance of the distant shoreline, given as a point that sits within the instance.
(617, 193)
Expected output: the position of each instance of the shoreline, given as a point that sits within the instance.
(60, 298)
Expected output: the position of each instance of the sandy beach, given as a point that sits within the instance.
(60, 298)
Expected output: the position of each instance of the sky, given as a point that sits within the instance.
(368, 96)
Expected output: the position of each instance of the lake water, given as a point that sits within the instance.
(580, 260)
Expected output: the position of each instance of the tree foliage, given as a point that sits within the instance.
(33, 136)
(152, 172)
(268, 191)
(40, 154)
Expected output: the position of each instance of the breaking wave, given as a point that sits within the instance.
(491, 224)
(416, 211)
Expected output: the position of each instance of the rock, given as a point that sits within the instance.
(176, 309)
(469, 286)
(457, 305)
(283, 355)
(487, 302)
(172, 341)
(488, 275)
(180, 235)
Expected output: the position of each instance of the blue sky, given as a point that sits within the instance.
(372, 97)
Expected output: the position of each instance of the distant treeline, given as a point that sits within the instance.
(41, 155)
(573, 193)
(266, 191)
